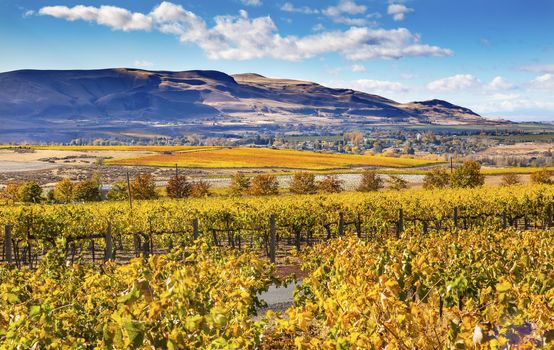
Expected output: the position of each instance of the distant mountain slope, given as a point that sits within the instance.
(34, 100)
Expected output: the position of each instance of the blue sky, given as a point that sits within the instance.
(496, 57)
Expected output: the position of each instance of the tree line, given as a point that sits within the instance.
(143, 186)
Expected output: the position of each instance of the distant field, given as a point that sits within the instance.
(267, 158)
(118, 148)
(512, 170)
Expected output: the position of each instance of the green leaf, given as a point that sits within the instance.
(13, 298)
(135, 332)
(34, 310)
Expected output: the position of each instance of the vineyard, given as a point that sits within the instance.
(457, 268)
(242, 157)
(112, 230)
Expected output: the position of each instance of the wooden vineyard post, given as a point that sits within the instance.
(455, 218)
(195, 229)
(146, 247)
(108, 254)
(341, 224)
(400, 224)
(272, 238)
(8, 249)
(129, 192)
(548, 219)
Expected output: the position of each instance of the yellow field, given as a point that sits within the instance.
(267, 158)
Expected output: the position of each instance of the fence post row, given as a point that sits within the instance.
(109, 243)
(8, 248)
(272, 238)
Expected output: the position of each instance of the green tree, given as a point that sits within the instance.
(543, 176)
(436, 178)
(144, 187)
(240, 183)
(118, 192)
(30, 192)
(86, 191)
(468, 175)
(303, 183)
(371, 181)
(178, 187)
(397, 183)
(63, 192)
(329, 184)
(264, 185)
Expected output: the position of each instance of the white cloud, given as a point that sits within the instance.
(453, 83)
(251, 2)
(358, 68)
(513, 103)
(243, 13)
(289, 7)
(111, 16)
(503, 97)
(240, 38)
(345, 6)
(371, 86)
(545, 81)
(28, 13)
(539, 68)
(143, 64)
(318, 27)
(498, 83)
(398, 11)
(342, 12)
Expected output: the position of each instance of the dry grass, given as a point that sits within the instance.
(267, 158)
(512, 170)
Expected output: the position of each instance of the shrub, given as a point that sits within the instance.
(118, 192)
(468, 175)
(263, 185)
(178, 187)
(371, 181)
(144, 187)
(329, 184)
(240, 184)
(543, 176)
(29, 192)
(436, 178)
(303, 183)
(200, 189)
(395, 182)
(10, 193)
(510, 179)
(86, 191)
(63, 192)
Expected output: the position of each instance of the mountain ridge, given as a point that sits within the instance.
(117, 98)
